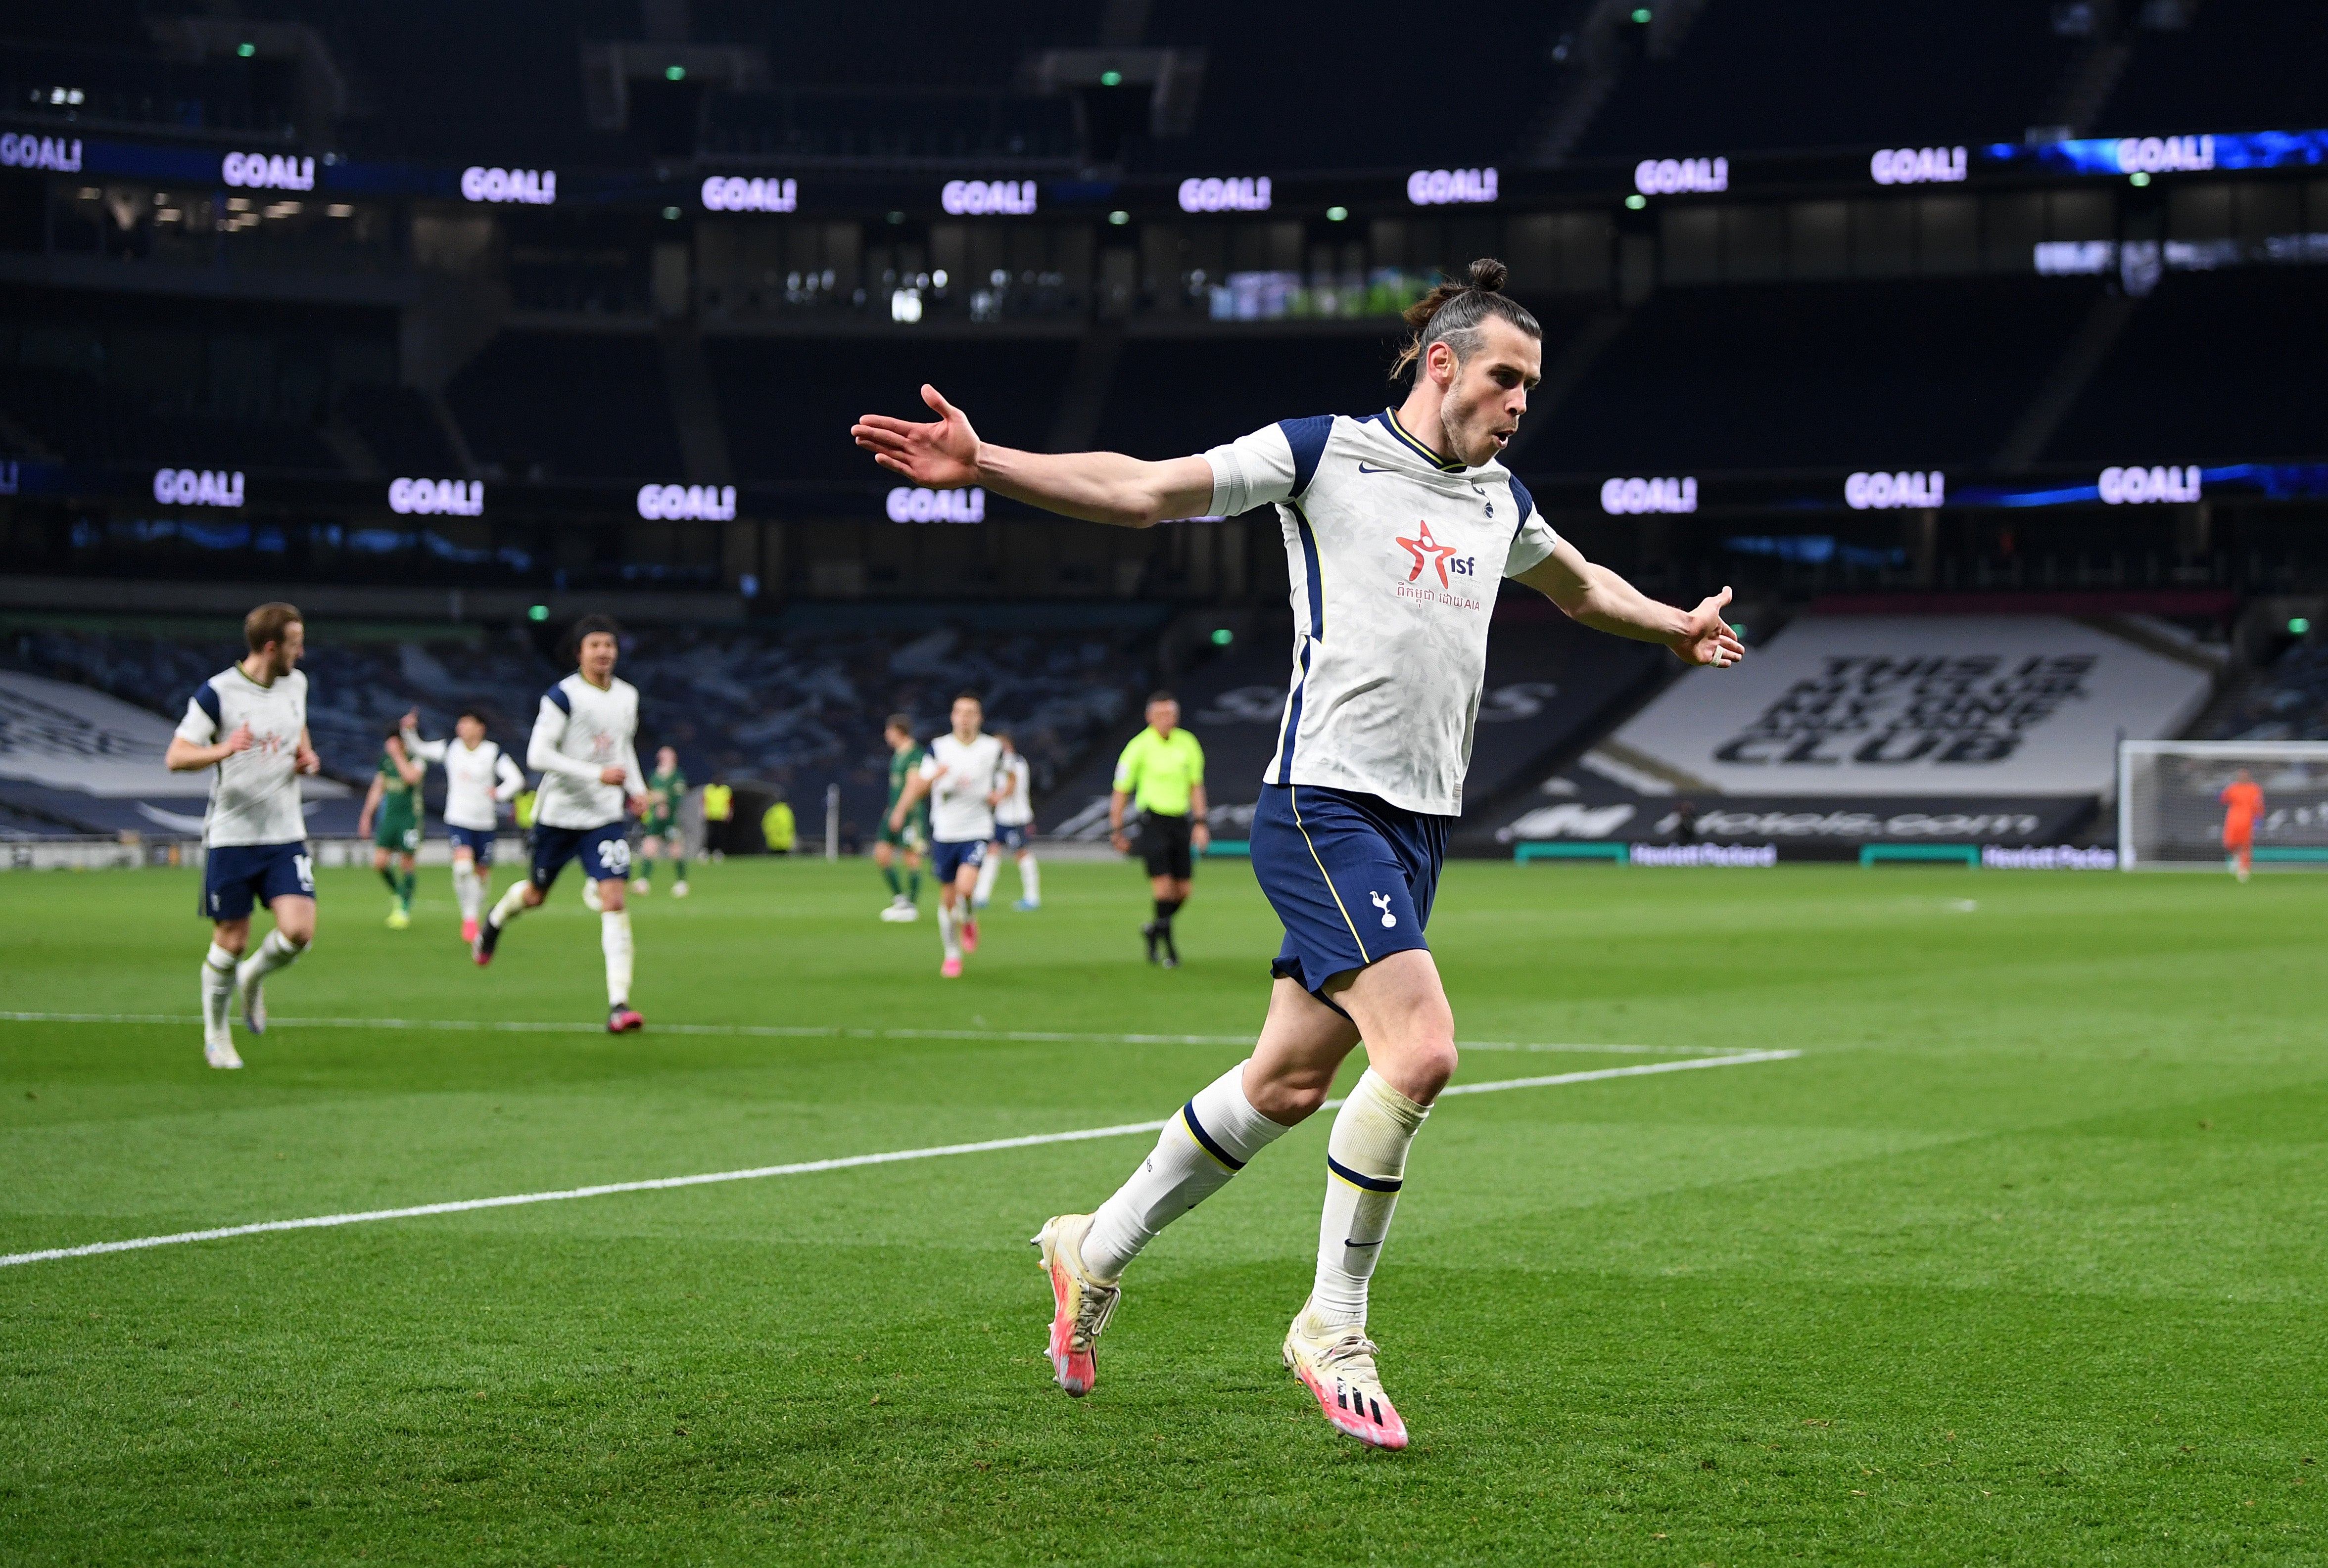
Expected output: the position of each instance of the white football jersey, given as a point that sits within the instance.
(254, 793)
(964, 777)
(580, 731)
(1017, 807)
(475, 780)
(1395, 559)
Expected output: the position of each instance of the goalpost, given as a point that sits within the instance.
(2169, 816)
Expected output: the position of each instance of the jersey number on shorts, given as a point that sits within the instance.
(615, 855)
(304, 864)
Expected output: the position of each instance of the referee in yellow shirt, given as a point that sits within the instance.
(1162, 773)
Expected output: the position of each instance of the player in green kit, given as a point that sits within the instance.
(905, 761)
(395, 798)
(658, 825)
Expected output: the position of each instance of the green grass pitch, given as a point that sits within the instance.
(2020, 1262)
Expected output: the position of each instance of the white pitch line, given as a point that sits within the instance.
(808, 1167)
(812, 1031)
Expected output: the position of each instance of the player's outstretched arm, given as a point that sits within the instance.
(1099, 487)
(1599, 597)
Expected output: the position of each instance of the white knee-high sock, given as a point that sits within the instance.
(1365, 1164)
(273, 953)
(1030, 879)
(1208, 1142)
(987, 875)
(511, 905)
(218, 994)
(950, 931)
(615, 938)
(466, 891)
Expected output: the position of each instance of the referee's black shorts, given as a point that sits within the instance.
(1164, 845)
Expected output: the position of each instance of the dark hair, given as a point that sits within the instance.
(1160, 696)
(591, 625)
(269, 622)
(396, 729)
(899, 721)
(1454, 313)
(469, 714)
(967, 695)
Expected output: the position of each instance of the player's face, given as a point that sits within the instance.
(1163, 717)
(1486, 394)
(967, 717)
(471, 731)
(598, 658)
(667, 760)
(899, 740)
(282, 658)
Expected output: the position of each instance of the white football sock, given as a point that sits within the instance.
(1365, 1163)
(614, 938)
(218, 994)
(273, 953)
(950, 931)
(1208, 1142)
(1030, 879)
(511, 905)
(987, 873)
(466, 891)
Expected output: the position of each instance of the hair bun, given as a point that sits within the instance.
(1487, 274)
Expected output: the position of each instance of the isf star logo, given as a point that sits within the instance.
(1427, 552)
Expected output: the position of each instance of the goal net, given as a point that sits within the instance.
(2170, 809)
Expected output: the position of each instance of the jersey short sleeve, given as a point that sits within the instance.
(1196, 759)
(199, 727)
(930, 765)
(1127, 767)
(1274, 463)
(1532, 545)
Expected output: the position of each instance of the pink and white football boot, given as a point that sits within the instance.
(1337, 1367)
(1080, 1305)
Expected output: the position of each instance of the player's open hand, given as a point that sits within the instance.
(307, 760)
(941, 455)
(1707, 639)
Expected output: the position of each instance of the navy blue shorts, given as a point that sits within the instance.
(1012, 838)
(948, 856)
(477, 841)
(237, 875)
(1351, 876)
(604, 852)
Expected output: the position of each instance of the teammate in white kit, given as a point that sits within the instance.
(962, 777)
(1398, 526)
(249, 725)
(585, 747)
(1014, 831)
(478, 777)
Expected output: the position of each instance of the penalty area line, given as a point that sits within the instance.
(810, 1166)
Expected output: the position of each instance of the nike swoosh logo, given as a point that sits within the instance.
(1363, 468)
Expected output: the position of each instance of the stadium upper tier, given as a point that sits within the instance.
(1203, 86)
(1817, 73)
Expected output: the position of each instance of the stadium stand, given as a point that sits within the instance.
(1853, 374)
(1156, 409)
(622, 429)
(788, 402)
(395, 425)
(2287, 700)
(2223, 65)
(1836, 73)
(791, 704)
(2220, 367)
